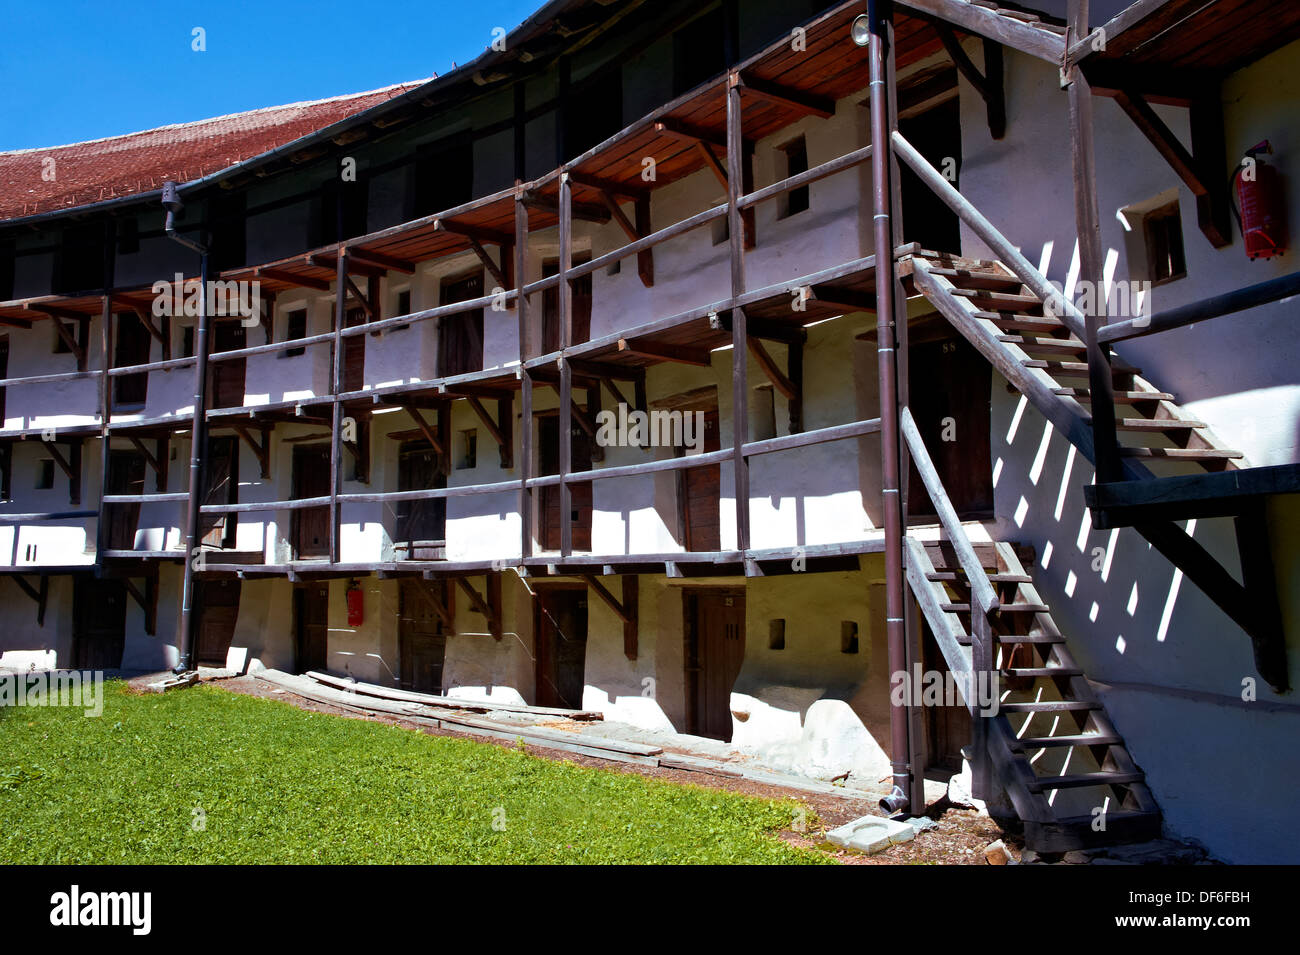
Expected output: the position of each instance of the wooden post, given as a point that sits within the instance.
(566, 373)
(336, 387)
(105, 414)
(525, 382)
(739, 330)
(1088, 224)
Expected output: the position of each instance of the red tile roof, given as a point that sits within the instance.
(139, 162)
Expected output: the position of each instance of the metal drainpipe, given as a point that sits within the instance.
(878, 13)
(198, 433)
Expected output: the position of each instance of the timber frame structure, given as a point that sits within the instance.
(977, 598)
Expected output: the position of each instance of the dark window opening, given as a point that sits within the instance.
(6, 270)
(131, 346)
(469, 450)
(295, 324)
(1162, 231)
(444, 177)
(927, 219)
(699, 51)
(6, 471)
(79, 263)
(796, 161)
(226, 216)
(594, 112)
(45, 475)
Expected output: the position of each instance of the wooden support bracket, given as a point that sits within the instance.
(988, 84)
(39, 594)
(501, 429)
(678, 353)
(774, 374)
(71, 466)
(261, 450)
(148, 601)
(1198, 170)
(440, 603)
(645, 259)
(627, 610)
(490, 609)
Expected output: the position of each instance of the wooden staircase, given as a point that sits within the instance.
(1063, 766)
(1017, 332)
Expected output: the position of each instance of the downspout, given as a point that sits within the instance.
(878, 16)
(198, 432)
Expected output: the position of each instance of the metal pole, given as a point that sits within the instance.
(198, 441)
(879, 12)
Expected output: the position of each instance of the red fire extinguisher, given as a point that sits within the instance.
(1260, 209)
(356, 605)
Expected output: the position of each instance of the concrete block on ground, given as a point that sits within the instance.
(871, 834)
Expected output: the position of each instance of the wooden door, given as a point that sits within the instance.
(98, 623)
(421, 525)
(226, 384)
(551, 307)
(220, 486)
(701, 494)
(422, 645)
(310, 526)
(560, 645)
(951, 400)
(715, 651)
(460, 337)
(354, 353)
(126, 471)
(217, 602)
(311, 613)
(580, 495)
(130, 347)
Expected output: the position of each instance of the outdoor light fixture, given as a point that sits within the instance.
(860, 29)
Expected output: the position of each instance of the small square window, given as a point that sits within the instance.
(403, 308)
(45, 475)
(468, 457)
(1162, 231)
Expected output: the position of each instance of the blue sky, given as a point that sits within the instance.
(76, 71)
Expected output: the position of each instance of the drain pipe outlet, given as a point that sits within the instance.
(895, 802)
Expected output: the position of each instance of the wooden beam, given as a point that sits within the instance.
(712, 163)
(39, 594)
(1267, 635)
(329, 260)
(426, 590)
(260, 451)
(587, 212)
(780, 95)
(481, 606)
(769, 367)
(645, 260)
(493, 269)
(1233, 598)
(290, 278)
(361, 297)
(1186, 496)
(493, 429)
(424, 428)
(688, 133)
(623, 190)
(794, 366)
(469, 231)
(389, 262)
(988, 23)
(684, 354)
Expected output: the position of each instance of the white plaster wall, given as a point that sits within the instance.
(1174, 661)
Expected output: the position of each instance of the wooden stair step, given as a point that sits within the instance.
(960, 577)
(1014, 638)
(979, 278)
(1001, 301)
(1181, 454)
(1066, 346)
(1158, 424)
(1078, 367)
(1005, 608)
(1121, 397)
(1049, 706)
(1041, 671)
(1073, 739)
(1047, 783)
(1019, 322)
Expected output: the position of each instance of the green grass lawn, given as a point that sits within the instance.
(272, 783)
